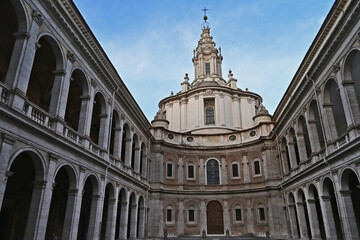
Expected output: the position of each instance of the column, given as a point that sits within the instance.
(313, 135)
(328, 216)
(5, 152)
(19, 78)
(141, 220)
(197, 109)
(133, 220)
(348, 216)
(85, 117)
(45, 205)
(77, 207)
(222, 109)
(181, 173)
(236, 111)
(183, 112)
(95, 217)
(293, 222)
(111, 219)
(301, 146)
(245, 167)
(224, 178)
(292, 154)
(313, 219)
(227, 221)
(285, 161)
(302, 220)
(117, 142)
(33, 221)
(123, 219)
(104, 130)
(351, 97)
(264, 165)
(203, 216)
(137, 159)
(201, 172)
(181, 221)
(128, 150)
(250, 216)
(69, 215)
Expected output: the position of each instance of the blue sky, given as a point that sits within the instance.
(151, 42)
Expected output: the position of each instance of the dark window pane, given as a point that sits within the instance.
(238, 216)
(212, 171)
(168, 215)
(210, 115)
(257, 167)
(191, 215)
(207, 68)
(169, 170)
(235, 170)
(262, 214)
(190, 171)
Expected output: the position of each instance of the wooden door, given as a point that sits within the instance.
(214, 213)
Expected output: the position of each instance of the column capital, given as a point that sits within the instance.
(73, 192)
(345, 192)
(37, 17)
(21, 35)
(39, 184)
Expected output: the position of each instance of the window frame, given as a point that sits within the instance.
(169, 162)
(191, 208)
(260, 206)
(206, 172)
(238, 207)
(207, 67)
(190, 164)
(172, 220)
(253, 168)
(238, 170)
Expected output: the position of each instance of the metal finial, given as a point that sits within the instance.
(204, 10)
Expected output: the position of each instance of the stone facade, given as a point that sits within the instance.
(79, 160)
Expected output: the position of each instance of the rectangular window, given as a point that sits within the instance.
(257, 168)
(261, 214)
(207, 69)
(190, 171)
(168, 215)
(191, 215)
(235, 170)
(238, 216)
(169, 172)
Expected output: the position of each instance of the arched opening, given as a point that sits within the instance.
(304, 135)
(352, 82)
(77, 89)
(330, 203)
(351, 194)
(315, 209)
(88, 208)
(124, 139)
(295, 228)
(121, 208)
(8, 26)
(42, 76)
(212, 172)
(214, 216)
(304, 213)
(114, 138)
(97, 123)
(334, 109)
(17, 198)
(315, 127)
(295, 152)
(58, 205)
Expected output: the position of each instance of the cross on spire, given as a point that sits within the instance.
(204, 10)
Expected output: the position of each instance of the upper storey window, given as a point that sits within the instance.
(212, 172)
(207, 69)
(209, 111)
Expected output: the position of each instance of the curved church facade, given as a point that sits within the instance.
(79, 160)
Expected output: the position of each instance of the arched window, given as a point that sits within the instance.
(169, 169)
(315, 127)
(191, 215)
(212, 172)
(98, 119)
(190, 171)
(133, 151)
(261, 216)
(235, 172)
(285, 156)
(256, 167)
(351, 82)
(169, 215)
(238, 214)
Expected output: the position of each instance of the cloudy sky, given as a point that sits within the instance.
(151, 42)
